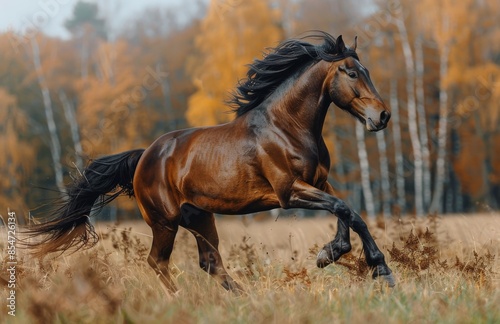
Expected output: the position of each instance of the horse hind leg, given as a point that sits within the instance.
(161, 249)
(202, 225)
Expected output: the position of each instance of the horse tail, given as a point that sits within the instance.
(101, 182)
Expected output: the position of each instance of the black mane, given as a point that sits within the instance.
(265, 75)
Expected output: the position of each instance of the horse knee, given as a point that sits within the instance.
(342, 210)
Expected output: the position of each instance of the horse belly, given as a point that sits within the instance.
(236, 206)
(233, 196)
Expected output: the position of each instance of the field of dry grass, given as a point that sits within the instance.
(447, 271)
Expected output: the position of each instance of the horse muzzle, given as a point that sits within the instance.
(374, 125)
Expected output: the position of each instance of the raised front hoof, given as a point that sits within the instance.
(331, 254)
(323, 259)
(384, 273)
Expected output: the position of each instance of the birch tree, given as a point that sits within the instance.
(443, 35)
(436, 205)
(384, 174)
(55, 145)
(339, 165)
(412, 112)
(422, 121)
(398, 150)
(70, 116)
(365, 171)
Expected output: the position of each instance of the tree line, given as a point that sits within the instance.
(436, 64)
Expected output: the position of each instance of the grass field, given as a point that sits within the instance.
(448, 274)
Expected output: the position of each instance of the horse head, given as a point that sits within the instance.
(351, 89)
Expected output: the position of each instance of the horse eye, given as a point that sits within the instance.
(352, 75)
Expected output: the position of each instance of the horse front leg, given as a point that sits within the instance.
(340, 245)
(306, 196)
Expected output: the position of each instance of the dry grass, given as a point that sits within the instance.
(447, 271)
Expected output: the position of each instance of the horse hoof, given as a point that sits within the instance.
(389, 279)
(323, 259)
(382, 271)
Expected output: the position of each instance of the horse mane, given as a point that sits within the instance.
(264, 76)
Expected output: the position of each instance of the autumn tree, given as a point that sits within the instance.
(230, 37)
(473, 83)
(162, 43)
(17, 158)
(401, 24)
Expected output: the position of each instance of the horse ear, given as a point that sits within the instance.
(355, 43)
(340, 45)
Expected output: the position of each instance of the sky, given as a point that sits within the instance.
(49, 15)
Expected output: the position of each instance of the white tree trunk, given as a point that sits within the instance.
(436, 205)
(55, 146)
(69, 114)
(422, 122)
(384, 175)
(355, 197)
(398, 151)
(365, 170)
(412, 115)
(339, 166)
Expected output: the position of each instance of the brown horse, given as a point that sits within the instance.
(271, 155)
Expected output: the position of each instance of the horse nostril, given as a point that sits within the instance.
(385, 116)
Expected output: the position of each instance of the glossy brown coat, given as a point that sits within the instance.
(271, 155)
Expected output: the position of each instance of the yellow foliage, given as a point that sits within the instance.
(16, 160)
(448, 23)
(203, 109)
(483, 85)
(110, 102)
(230, 37)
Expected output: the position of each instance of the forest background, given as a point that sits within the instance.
(107, 89)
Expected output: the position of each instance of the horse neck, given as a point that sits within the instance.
(304, 103)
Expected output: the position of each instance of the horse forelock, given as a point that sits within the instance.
(329, 48)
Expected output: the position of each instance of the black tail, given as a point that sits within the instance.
(70, 225)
